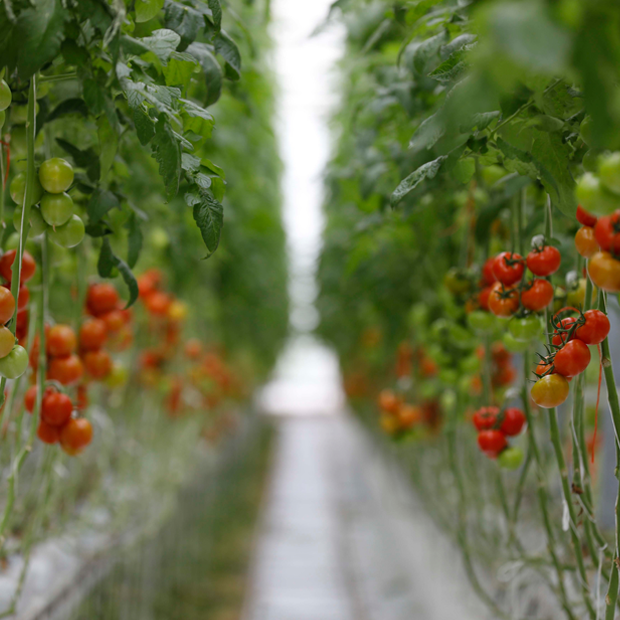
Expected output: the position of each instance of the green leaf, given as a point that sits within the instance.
(108, 145)
(207, 163)
(145, 126)
(108, 260)
(427, 134)
(426, 171)
(427, 50)
(134, 240)
(180, 68)
(464, 170)
(208, 215)
(190, 163)
(216, 12)
(66, 107)
(228, 50)
(167, 151)
(100, 203)
(185, 21)
(87, 159)
(211, 69)
(147, 9)
(162, 43)
(196, 119)
(449, 70)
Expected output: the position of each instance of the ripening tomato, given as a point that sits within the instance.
(388, 401)
(157, 303)
(538, 296)
(66, 370)
(48, 433)
(61, 341)
(101, 298)
(7, 305)
(7, 341)
(550, 391)
(93, 334)
(76, 435)
(604, 271)
(595, 329)
(544, 369)
(98, 364)
(114, 321)
(485, 418)
(193, 348)
(585, 218)
(607, 233)
(409, 415)
(508, 267)
(28, 266)
(23, 298)
(492, 442)
(544, 261)
(149, 281)
(560, 337)
(572, 359)
(585, 242)
(488, 277)
(503, 302)
(513, 421)
(56, 408)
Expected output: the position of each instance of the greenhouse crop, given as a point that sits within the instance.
(471, 256)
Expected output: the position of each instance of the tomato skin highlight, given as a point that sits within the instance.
(550, 391)
(585, 242)
(544, 262)
(585, 218)
(604, 271)
(595, 329)
(538, 296)
(572, 359)
(513, 422)
(505, 273)
(503, 303)
(492, 442)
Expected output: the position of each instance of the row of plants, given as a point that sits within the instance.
(130, 132)
(470, 258)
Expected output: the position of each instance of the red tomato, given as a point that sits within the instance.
(492, 442)
(572, 359)
(562, 337)
(595, 329)
(388, 401)
(483, 297)
(61, 341)
(114, 321)
(23, 298)
(585, 242)
(56, 409)
(550, 391)
(508, 268)
(488, 277)
(604, 270)
(98, 364)
(503, 302)
(101, 298)
(28, 266)
(485, 418)
(607, 233)
(157, 303)
(513, 421)
(93, 334)
(76, 435)
(7, 305)
(538, 296)
(65, 370)
(30, 398)
(545, 261)
(47, 433)
(585, 218)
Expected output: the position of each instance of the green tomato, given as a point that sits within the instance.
(19, 114)
(12, 242)
(590, 161)
(17, 189)
(159, 238)
(492, 174)
(456, 281)
(15, 363)
(6, 96)
(526, 328)
(70, 234)
(56, 209)
(37, 224)
(510, 458)
(592, 196)
(585, 130)
(513, 345)
(481, 321)
(609, 171)
(56, 175)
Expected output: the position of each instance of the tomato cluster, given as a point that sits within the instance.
(569, 357)
(399, 418)
(59, 421)
(495, 426)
